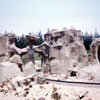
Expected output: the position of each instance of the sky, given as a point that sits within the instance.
(24, 16)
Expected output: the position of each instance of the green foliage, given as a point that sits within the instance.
(25, 57)
(37, 56)
(87, 38)
(22, 42)
(24, 95)
(41, 39)
(87, 42)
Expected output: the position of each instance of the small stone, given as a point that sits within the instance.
(14, 89)
(32, 79)
(30, 86)
(2, 90)
(1, 86)
(26, 89)
(41, 98)
(27, 92)
(47, 82)
(33, 99)
(16, 94)
(41, 87)
(46, 94)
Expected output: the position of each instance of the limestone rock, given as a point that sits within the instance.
(94, 56)
(5, 41)
(29, 68)
(8, 70)
(65, 51)
(17, 59)
(90, 73)
(8, 48)
(4, 57)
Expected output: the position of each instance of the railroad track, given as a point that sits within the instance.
(42, 80)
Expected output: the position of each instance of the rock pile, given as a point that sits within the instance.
(48, 91)
(16, 84)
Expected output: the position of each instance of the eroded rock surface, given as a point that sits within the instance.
(5, 41)
(17, 59)
(94, 56)
(8, 70)
(8, 47)
(65, 51)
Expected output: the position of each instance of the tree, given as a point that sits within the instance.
(21, 42)
(87, 38)
(96, 33)
(87, 42)
(41, 40)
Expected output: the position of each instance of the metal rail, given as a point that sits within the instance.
(73, 82)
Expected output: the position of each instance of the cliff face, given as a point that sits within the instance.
(8, 47)
(94, 56)
(5, 41)
(64, 52)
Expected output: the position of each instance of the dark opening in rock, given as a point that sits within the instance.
(51, 58)
(98, 53)
(71, 39)
(73, 73)
(59, 47)
(20, 66)
(56, 38)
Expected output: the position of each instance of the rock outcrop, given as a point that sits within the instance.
(94, 56)
(5, 41)
(8, 47)
(8, 70)
(64, 52)
(17, 59)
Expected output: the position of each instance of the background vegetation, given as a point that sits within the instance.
(22, 42)
(88, 38)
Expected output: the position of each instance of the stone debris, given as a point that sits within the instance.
(46, 91)
(41, 98)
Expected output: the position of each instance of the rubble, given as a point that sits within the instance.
(48, 91)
